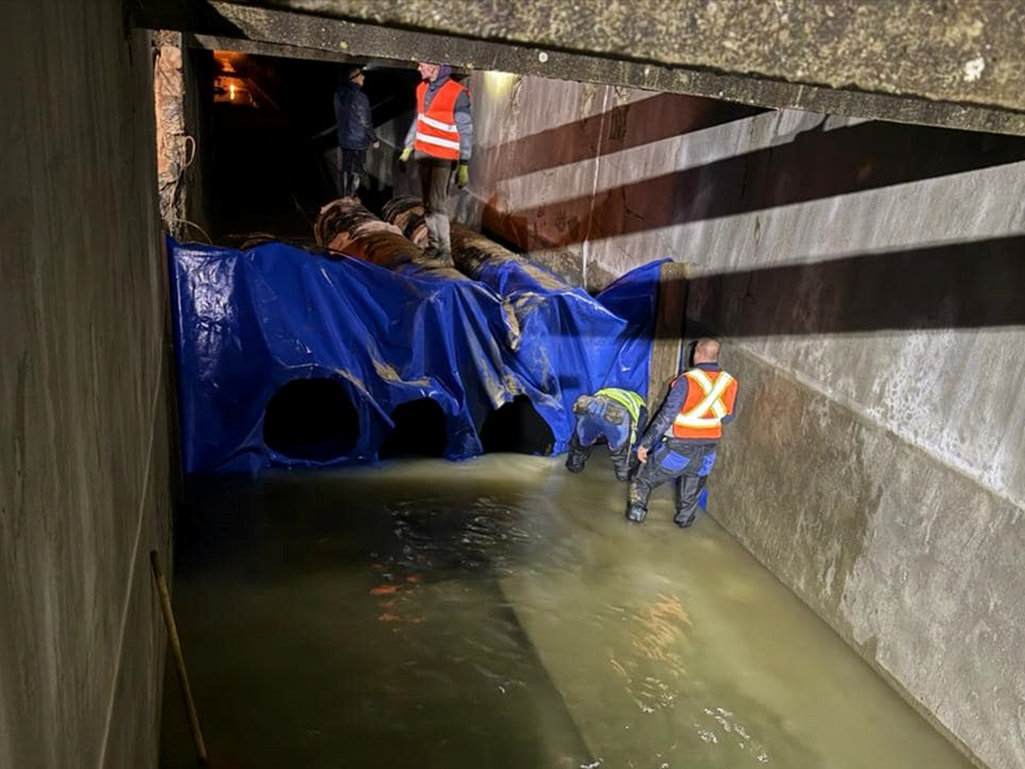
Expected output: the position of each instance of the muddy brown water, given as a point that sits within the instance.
(499, 613)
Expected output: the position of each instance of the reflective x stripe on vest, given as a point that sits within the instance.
(629, 400)
(707, 414)
(436, 132)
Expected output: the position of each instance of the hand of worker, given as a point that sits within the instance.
(642, 454)
(407, 153)
(376, 144)
(462, 175)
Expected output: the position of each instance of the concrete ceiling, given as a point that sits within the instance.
(953, 63)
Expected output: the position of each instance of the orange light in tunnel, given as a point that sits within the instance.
(227, 60)
(234, 90)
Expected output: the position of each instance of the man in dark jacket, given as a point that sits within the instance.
(355, 130)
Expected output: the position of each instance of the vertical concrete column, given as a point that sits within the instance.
(667, 349)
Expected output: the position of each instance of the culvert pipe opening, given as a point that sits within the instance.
(516, 427)
(312, 419)
(419, 431)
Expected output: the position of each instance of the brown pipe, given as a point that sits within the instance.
(470, 249)
(346, 226)
(407, 213)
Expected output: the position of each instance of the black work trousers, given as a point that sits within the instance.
(688, 463)
(435, 178)
(350, 171)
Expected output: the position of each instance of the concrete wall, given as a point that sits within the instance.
(867, 278)
(84, 466)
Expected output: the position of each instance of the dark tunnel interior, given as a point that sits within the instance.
(516, 427)
(419, 431)
(312, 419)
(268, 138)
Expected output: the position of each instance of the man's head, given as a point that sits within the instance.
(706, 350)
(429, 71)
(355, 75)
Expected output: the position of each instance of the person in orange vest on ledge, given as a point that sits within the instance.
(441, 138)
(681, 441)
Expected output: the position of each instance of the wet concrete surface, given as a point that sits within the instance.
(502, 612)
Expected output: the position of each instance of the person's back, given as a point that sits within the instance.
(352, 111)
(355, 129)
(680, 443)
(612, 414)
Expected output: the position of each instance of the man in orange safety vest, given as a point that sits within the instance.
(441, 138)
(681, 441)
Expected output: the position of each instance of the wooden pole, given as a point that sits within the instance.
(179, 658)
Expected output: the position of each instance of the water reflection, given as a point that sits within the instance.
(502, 613)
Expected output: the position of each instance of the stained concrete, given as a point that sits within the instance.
(866, 280)
(967, 51)
(84, 458)
(912, 62)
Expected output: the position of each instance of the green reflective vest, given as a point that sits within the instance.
(631, 401)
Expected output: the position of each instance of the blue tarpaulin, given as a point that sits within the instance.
(248, 323)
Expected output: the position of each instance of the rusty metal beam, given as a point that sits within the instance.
(905, 61)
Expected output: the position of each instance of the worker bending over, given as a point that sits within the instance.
(613, 415)
(681, 441)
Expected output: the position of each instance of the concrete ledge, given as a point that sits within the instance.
(914, 78)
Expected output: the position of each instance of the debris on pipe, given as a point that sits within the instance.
(470, 249)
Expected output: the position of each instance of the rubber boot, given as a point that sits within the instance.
(621, 461)
(688, 494)
(577, 455)
(637, 506)
(636, 513)
(444, 241)
(433, 236)
(683, 520)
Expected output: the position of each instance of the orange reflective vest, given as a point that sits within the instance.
(710, 397)
(436, 131)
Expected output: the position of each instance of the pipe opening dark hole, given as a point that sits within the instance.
(419, 431)
(311, 419)
(517, 427)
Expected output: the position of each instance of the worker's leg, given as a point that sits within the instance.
(621, 460)
(444, 239)
(434, 180)
(345, 173)
(691, 484)
(586, 432)
(617, 433)
(650, 475)
(356, 170)
(578, 454)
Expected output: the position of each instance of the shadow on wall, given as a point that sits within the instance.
(962, 285)
(817, 164)
(621, 128)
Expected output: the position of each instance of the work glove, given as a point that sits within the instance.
(462, 175)
(407, 153)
